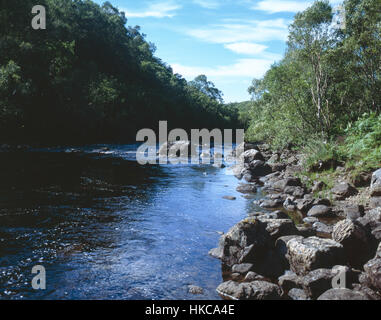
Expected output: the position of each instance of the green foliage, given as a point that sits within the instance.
(328, 78)
(89, 77)
(360, 149)
(363, 143)
(317, 150)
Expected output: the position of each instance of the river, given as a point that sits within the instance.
(105, 227)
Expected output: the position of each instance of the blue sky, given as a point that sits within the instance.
(230, 41)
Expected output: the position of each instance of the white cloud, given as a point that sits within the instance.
(275, 6)
(155, 10)
(246, 47)
(208, 4)
(251, 68)
(253, 31)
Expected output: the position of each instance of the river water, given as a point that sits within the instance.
(105, 227)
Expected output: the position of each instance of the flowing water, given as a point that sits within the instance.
(105, 227)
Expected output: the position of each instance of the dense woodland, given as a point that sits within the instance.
(324, 96)
(90, 78)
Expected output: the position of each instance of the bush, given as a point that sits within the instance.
(363, 142)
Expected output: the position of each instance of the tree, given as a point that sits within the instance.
(207, 87)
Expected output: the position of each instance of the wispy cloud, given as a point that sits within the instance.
(155, 10)
(208, 4)
(251, 68)
(274, 6)
(254, 31)
(246, 47)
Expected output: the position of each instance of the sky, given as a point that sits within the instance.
(230, 41)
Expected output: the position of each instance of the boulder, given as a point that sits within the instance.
(245, 242)
(253, 276)
(271, 178)
(242, 268)
(241, 148)
(317, 281)
(353, 212)
(378, 251)
(343, 190)
(176, 148)
(259, 168)
(297, 294)
(271, 215)
(288, 182)
(375, 190)
(279, 227)
(289, 204)
(322, 202)
(376, 233)
(256, 290)
(373, 272)
(343, 294)
(355, 240)
(247, 188)
(239, 170)
(271, 203)
(253, 241)
(281, 248)
(289, 281)
(251, 155)
(304, 205)
(376, 178)
(375, 202)
(306, 230)
(297, 192)
(368, 292)
(274, 159)
(322, 228)
(195, 290)
(371, 219)
(307, 254)
(277, 167)
(319, 211)
(310, 220)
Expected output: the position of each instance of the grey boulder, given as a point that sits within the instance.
(307, 254)
(342, 294)
(256, 290)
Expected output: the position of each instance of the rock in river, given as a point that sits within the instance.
(195, 290)
(305, 255)
(247, 188)
(251, 155)
(342, 294)
(256, 290)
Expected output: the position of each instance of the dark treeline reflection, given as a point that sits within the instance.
(53, 205)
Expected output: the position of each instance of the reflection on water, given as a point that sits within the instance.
(106, 228)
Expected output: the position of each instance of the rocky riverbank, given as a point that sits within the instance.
(310, 241)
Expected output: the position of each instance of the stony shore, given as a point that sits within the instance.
(309, 246)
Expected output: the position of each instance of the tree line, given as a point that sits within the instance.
(88, 77)
(326, 91)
